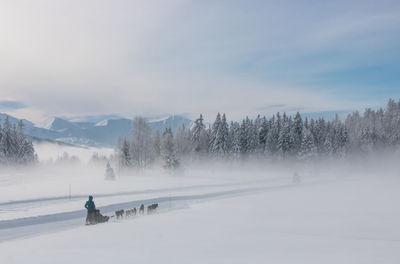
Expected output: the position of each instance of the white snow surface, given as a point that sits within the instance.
(47, 123)
(102, 123)
(206, 215)
(306, 223)
(160, 119)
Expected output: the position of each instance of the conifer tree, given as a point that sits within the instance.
(235, 137)
(168, 150)
(199, 138)
(308, 151)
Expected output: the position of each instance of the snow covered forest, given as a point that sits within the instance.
(277, 138)
(15, 147)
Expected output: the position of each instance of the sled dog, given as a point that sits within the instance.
(119, 213)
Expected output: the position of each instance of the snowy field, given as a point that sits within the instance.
(208, 215)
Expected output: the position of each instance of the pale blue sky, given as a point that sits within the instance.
(76, 58)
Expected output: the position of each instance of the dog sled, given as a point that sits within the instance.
(95, 217)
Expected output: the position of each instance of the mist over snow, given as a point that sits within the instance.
(329, 208)
(185, 132)
(325, 191)
(52, 151)
(340, 212)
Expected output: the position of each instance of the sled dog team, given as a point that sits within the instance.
(94, 216)
(132, 212)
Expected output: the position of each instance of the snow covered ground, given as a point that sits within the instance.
(336, 221)
(206, 215)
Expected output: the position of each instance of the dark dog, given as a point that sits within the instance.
(141, 210)
(151, 208)
(119, 214)
(129, 213)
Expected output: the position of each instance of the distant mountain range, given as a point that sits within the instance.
(102, 134)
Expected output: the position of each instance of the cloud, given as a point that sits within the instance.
(73, 58)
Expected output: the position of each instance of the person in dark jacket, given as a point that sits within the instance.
(91, 211)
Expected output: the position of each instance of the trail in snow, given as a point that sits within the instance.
(148, 191)
(29, 226)
(59, 204)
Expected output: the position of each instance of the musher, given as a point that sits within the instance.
(91, 211)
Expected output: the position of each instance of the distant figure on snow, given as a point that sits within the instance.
(109, 172)
(296, 178)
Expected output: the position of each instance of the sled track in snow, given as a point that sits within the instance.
(147, 191)
(30, 226)
(113, 207)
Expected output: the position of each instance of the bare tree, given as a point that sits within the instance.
(141, 143)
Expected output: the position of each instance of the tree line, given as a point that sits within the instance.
(279, 137)
(15, 147)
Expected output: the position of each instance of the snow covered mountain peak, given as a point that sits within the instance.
(46, 124)
(56, 124)
(102, 123)
(14, 120)
(162, 119)
(100, 134)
